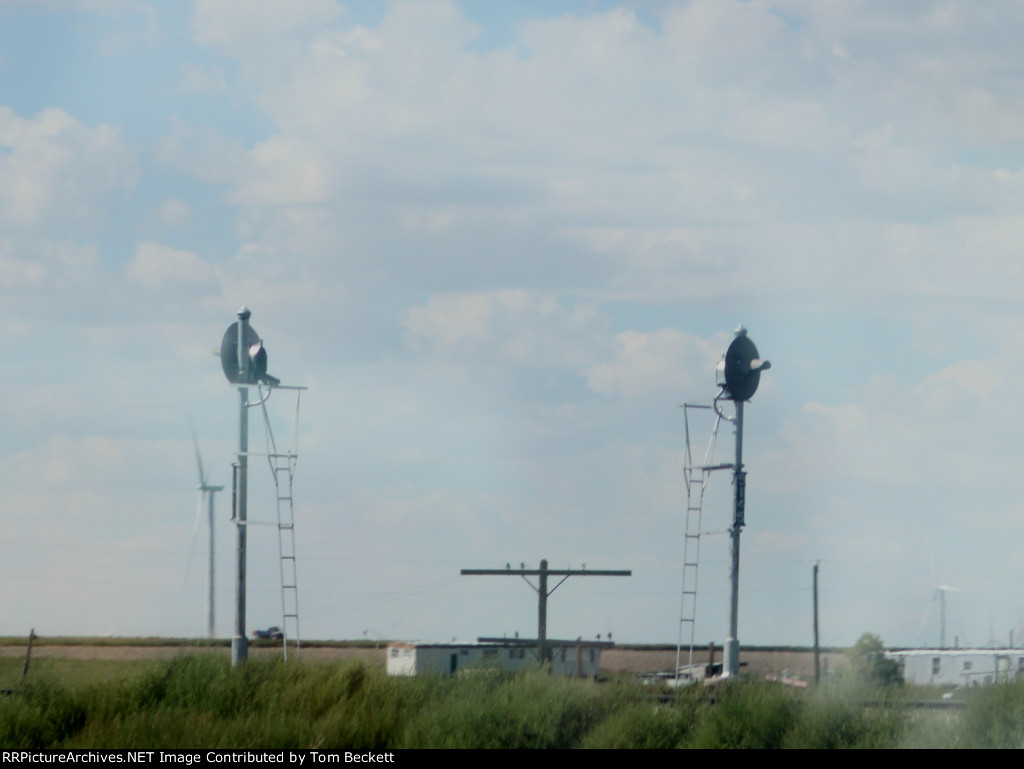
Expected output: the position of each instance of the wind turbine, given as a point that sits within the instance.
(206, 492)
(940, 596)
(940, 593)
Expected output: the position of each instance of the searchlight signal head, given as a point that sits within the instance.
(739, 371)
(254, 366)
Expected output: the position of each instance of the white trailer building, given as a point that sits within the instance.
(959, 667)
(415, 659)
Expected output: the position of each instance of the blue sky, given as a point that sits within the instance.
(501, 243)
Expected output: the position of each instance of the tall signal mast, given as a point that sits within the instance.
(738, 374)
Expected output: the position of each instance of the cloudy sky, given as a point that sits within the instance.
(501, 242)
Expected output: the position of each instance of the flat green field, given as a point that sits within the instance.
(196, 700)
(70, 673)
(178, 694)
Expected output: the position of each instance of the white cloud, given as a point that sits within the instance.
(88, 5)
(452, 319)
(174, 212)
(679, 186)
(255, 22)
(206, 81)
(496, 265)
(666, 360)
(17, 273)
(157, 266)
(284, 171)
(57, 172)
(519, 327)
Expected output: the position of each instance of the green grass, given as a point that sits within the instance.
(198, 701)
(994, 717)
(201, 643)
(70, 673)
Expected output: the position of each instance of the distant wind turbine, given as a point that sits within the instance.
(940, 593)
(940, 596)
(206, 492)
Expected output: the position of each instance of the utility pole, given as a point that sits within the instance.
(542, 590)
(817, 648)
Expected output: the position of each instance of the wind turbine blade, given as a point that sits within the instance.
(199, 458)
(947, 588)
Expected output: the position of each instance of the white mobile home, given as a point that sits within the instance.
(415, 659)
(959, 667)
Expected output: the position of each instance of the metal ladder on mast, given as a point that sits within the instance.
(697, 477)
(282, 467)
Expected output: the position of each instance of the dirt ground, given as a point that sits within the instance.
(798, 664)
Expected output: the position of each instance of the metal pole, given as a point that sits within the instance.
(542, 612)
(240, 642)
(210, 624)
(731, 652)
(817, 647)
(942, 618)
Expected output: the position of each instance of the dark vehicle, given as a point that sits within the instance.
(270, 634)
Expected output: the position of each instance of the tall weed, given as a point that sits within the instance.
(645, 726)
(994, 717)
(745, 714)
(829, 720)
(199, 701)
(528, 710)
(39, 715)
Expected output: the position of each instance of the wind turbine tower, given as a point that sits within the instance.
(940, 593)
(206, 492)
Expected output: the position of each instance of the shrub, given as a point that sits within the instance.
(869, 663)
(994, 717)
(746, 714)
(830, 721)
(529, 710)
(644, 726)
